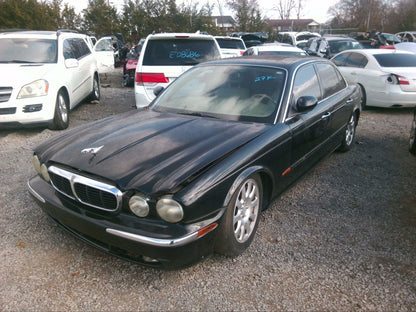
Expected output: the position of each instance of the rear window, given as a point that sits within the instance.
(230, 44)
(396, 60)
(179, 52)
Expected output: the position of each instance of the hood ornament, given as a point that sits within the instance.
(92, 150)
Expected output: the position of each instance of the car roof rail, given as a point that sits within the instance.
(13, 30)
(66, 31)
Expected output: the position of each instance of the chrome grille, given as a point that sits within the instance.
(5, 93)
(87, 191)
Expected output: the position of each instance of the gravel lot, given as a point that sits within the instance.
(342, 239)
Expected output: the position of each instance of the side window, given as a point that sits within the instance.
(341, 59)
(75, 48)
(356, 60)
(305, 84)
(67, 50)
(331, 79)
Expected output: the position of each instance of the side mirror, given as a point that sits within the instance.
(71, 63)
(158, 90)
(306, 103)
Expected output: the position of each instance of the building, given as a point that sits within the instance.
(225, 23)
(278, 25)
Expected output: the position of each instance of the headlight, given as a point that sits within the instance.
(36, 163)
(44, 172)
(169, 209)
(139, 206)
(36, 88)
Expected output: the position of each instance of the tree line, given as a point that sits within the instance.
(138, 18)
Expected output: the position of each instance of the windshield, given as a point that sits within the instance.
(28, 50)
(179, 52)
(337, 46)
(243, 93)
(396, 60)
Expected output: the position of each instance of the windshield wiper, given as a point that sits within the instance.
(198, 114)
(18, 61)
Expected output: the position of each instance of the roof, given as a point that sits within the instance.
(284, 61)
(286, 23)
(224, 19)
(181, 36)
(277, 47)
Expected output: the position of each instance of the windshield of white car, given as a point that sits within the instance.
(28, 50)
(231, 92)
(396, 60)
(225, 43)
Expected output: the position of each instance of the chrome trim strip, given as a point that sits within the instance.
(74, 178)
(35, 194)
(155, 241)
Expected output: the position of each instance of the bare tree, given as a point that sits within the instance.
(285, 8)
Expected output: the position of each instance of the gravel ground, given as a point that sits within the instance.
(342, 239)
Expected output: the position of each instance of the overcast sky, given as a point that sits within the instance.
(315, 9)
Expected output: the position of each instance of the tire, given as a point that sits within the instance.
(349, 134)
(412, 140)
(95, 93)
(61, 115)
(363, 98)
(241, 219)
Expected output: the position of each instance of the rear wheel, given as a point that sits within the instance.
(241, 218)
(349, 134)
(61, 117)
(412, 141)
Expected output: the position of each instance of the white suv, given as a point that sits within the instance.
(165, 57)
(44, 74)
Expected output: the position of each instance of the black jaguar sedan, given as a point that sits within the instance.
(190, 174)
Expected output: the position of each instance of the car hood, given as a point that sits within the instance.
(149, 151)
(21, 74)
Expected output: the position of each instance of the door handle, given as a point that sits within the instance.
(350, 100)
(326, 115)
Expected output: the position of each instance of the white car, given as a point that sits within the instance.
(407, 36)
(44, 74)
(231, 46)
(164, 57)
(387, 77)
(274, 49)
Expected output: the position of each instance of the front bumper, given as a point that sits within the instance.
(147, 248)
(32, 111)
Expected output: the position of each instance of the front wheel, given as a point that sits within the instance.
(60, 118)
(349, 134)
(412, 141)
(241, 219)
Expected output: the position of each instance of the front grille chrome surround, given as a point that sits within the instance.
(85, 190)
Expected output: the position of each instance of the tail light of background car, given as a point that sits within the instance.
(397, 79)
(151, 78)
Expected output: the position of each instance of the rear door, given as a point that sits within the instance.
(336, 98)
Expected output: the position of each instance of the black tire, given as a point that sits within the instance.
(349, 134)
(412, 140)
(95, 93)
(241, 219)
(363, 98)
(61, 115)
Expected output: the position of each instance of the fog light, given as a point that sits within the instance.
(36, 163)
(139, 206)
(44, 172)
(32, 108)
(169, 209)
